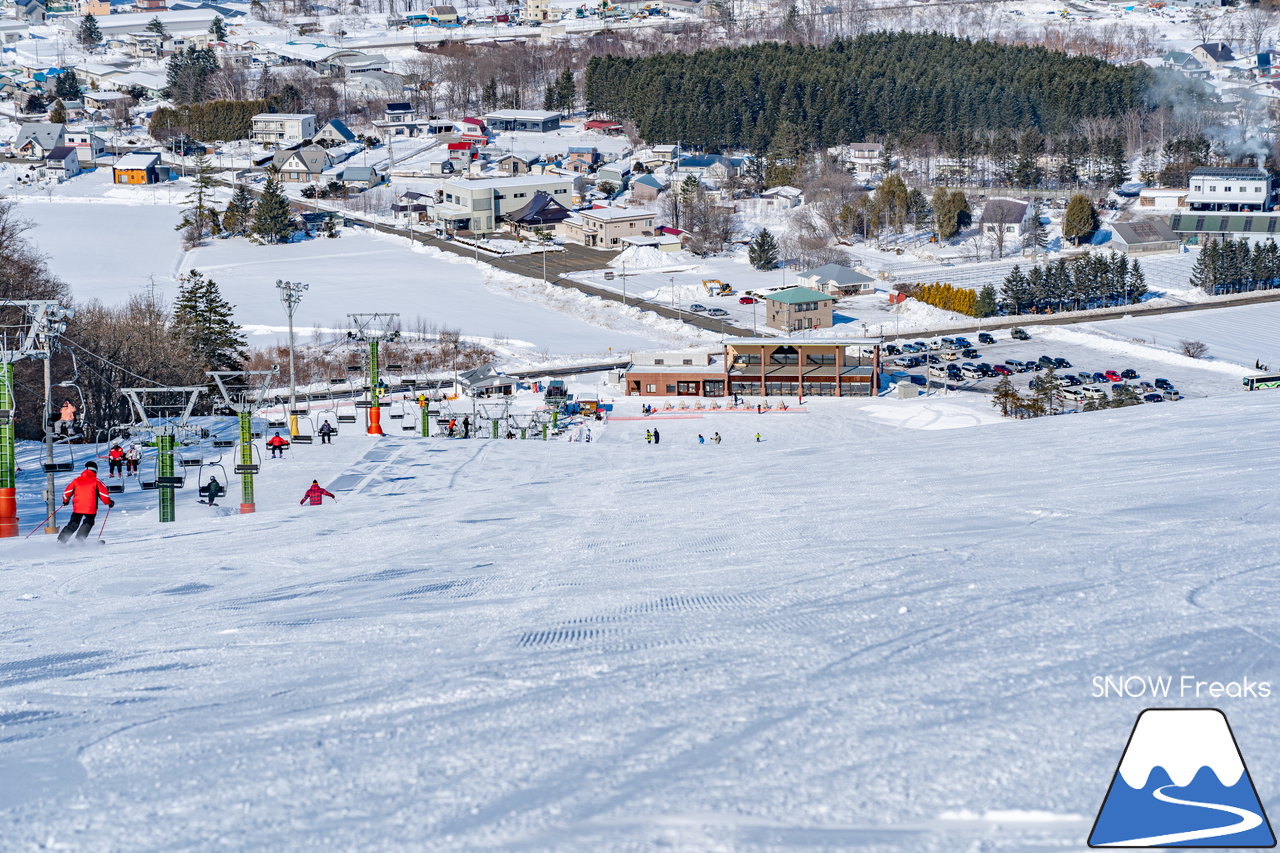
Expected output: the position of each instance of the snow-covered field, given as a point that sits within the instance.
(618, 646)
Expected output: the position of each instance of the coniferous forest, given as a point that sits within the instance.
(884, 83)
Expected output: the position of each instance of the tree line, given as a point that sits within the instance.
(895, 83)
(1236, 266)
(1091, 281)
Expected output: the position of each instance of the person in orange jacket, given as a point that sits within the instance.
(115, 461)
(277, 445)
(316, 494)
(83, 493)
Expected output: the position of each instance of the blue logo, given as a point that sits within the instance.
(1182, 783)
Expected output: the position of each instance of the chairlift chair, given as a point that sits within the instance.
(308, 436)
(202, 484)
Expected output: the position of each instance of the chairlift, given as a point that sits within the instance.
(175, 481)
(202, 483)
(62, 462)
(307, 437)
(277, 423)
(395, 368)
(251, 467)
(354, 368)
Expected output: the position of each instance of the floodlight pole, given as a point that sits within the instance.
(46, 318)
(291, 295)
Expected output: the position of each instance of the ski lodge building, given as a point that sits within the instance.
(761, 367)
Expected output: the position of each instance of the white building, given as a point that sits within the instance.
(1230, 189)
(478, 205)
(283, 128)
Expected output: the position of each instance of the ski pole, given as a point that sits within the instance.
(105, 519)
(43, 523)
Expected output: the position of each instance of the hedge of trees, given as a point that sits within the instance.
(880, 83)
(1092, 281)
(211, 120)
(948, 297)
(1234, 266)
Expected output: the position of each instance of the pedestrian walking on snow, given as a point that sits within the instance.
(277, 445)
(466, 427)
(326, 433)
(453, 424)
(716, 438)
(701, 440)
(648, 436)
(316, 494)
(84, 493)
(657, 439)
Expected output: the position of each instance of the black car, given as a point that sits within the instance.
(1068, 379)
(1128, 373)
(932, 359)
(1153, 398)
(986, 338)
(1163, 384)
(1061, 362)
(1020, 335)
(986, 369)
(969, 352)
(1046, 361)
(892, 349)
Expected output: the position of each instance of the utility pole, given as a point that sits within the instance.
(373, 329)
(291, 295)
(45, 319)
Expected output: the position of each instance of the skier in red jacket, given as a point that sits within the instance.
(277, 445)
(115, 461)
(316, 494)
(83, 493)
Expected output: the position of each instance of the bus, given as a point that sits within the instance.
(1262, 381)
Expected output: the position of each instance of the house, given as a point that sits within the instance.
(473, 128)
(1231, 189)
(604, 227)
(361, 177)
(837, 280)
(460, 153)
(764, 367)
(29, 11)
(139, 167)
(150, 5)
(37, 138)
(89, 146)
(151, 83)
(283, 128)
(542, 213)
(361, 65)
(610, 128)
(1213, 54)
(783, 197)
(485, 381)
(106, 100)
(399, 118)
(647, 188)
(537, 121)
(1184, 62)
(144, 45)
(301, 165)
(581, 159)
(335, 131)
(617, 172)
(1162, 199)
(413, 205)
(862, 156)
(477, 205)
(11, 31)
(1195, 4)
(1006, 215)
(538, 12)
(514, 164)
(93, 7)
(63, 162)
(188, 22)
(1143, 235)
(714, 166)
(322, 58)
(798, 308)
(443, 15)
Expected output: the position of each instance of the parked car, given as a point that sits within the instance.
(935, 344)
(1093, 392)
(1085, 377)
(1163, 384)
(970, 352)
(697, 307)
(1172, 394)
(937, 371)
(1020, 335)
(950, 355)
(986, 338)
(962, 343)
(1016, 365)
(1069, 380)
(1112, 376)
(908, 361)
(985, 369)
(1100, 377)
(1073, 394)
(1129, 373)
(920, 346)
(892, 349)
(932, 359)
(970, 371)
(1061, 363)
(717, 312)
(948, 343)
(1002, 370)
(1146, 387)
(750, 300)
(1152, 398)
(1045, 361)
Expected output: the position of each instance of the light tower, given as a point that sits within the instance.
(44, 319)
(373, 329)
(291, 295)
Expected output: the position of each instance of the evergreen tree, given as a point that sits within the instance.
(964, 213)
(1049, 391)
(34, 104)
(763, 251)
(1124, 395)
(218, 29)
(58, 115)
(272, 221)
(489, 95)
(1006, 397)
(1027, 170)
(1113, 161)
(1037, 238)
(89, 33)
(188, 72)
(1205, 273)
(944, 216)
(986, 304)
(155, 25)
(1080, 219)
(199, 213)
(238, 218)
(206, 320)
(67, 86)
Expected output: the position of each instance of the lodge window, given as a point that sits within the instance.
(785, 355)
(821, 358)
(688, 361)
(651, 389)
(746, 358)
(659, 361)
(671, 389)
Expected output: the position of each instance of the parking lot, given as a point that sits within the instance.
(1080, 353)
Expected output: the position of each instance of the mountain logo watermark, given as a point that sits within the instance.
(1182, 782)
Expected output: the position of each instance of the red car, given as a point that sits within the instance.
(1001, 370)
(1113, 376)
(747, 300)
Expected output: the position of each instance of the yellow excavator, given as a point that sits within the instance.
(716, 287)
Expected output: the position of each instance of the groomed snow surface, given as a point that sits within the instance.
(848, 635)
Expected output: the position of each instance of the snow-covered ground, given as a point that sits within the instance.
(610, 646)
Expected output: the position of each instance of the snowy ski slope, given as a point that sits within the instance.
(849, 635)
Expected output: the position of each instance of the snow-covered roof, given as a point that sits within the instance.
(838, 273)
(795, 295)
(504, 183)
(45, 134)
(527, 115)
(311, 51)
(138, 160)
(611, 214)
